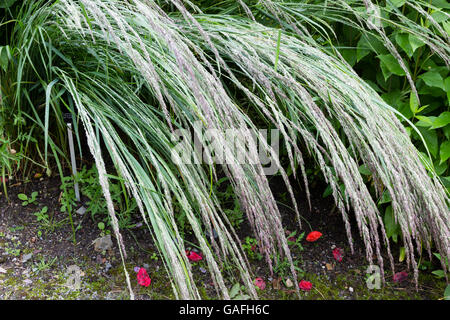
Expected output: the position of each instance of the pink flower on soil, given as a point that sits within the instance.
(338, 254)
(305, 285)
(313, 236)
(143, 278)
(259, 282)
(193, 256)
(400, 276)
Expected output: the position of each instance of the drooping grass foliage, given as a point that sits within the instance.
(132, 72)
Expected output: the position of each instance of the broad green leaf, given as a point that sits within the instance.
(446, 26)
(22, 196)
(442, 120)
(440, 167)
(402, 40)
(413, 103)
(391, 64)
(385, 197)
(447, 88)
(363, 48)
(401, 256)
(446, 130)
(390, 225)
(426, 161)
(444, 151)
(327, 192)
(364, 170)
(4, 57)
(235, 290)
(349, 55)
(444, 4)
(439, 16)
(433, 79)
(396, 3)
(447, 293)
(439, 273)
(425, 121)
(431, 140)
(415, 42)
(4, 4)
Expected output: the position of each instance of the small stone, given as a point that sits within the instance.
(350, 289)
(26, 257)
(103, 243)
(108, 266)
(289, 283)
(81, 210)
(276, 283)
(2, 270)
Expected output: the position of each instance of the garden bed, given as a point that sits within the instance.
(35, 256)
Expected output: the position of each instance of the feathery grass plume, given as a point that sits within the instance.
(137, 73)
(376, 136)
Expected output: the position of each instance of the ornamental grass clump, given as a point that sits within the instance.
(133, 72)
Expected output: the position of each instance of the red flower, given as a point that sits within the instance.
(143, 278)
(305, 285)
(259, 282)
(313, 236)
(400, 276)
(338, 254)
(193, 256)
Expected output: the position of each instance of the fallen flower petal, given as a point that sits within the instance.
(338, 254)
(193, 256)
(259, 282)
(313, 236)
(143, 278)
(136, 269)
(400, 276)
(305, 285)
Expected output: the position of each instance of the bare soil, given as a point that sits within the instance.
(44, 274)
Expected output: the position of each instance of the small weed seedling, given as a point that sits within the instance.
(439, 273)
(42, 215)
(154, 256)
(250, 246)
(237, 293)
(298, 240)
(27, 200)
(42, 265)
